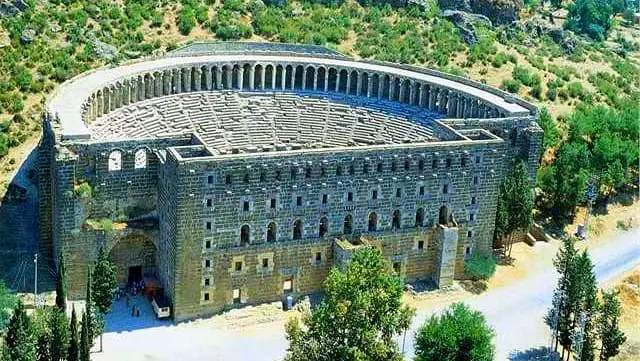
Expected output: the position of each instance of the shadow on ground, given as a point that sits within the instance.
(19, 232)
(534, 354)
(120, 319)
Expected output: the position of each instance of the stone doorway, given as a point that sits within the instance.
(134, 257)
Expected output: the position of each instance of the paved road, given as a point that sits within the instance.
(514, 311)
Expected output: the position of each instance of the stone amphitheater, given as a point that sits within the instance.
(228, 174)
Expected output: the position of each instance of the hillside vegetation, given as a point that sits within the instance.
(46, 43)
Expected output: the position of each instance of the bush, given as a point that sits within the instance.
(499, 60)
(107, 225)
(84, 190)
(186, 20)
(479, 267)
(511, 85)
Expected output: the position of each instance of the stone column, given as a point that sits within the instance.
(303, 83)
(369, 85)
(142, 89)
(283, 80)
(293, 76)
(347, 89)
(402, 92)
(218, 78)
(452, 106)
(412, 92)
(460, 106)
(208, 79)
(442, 103)
(240, 78)
(263, 75)
(315, 79)
(118, 95)
(381, 85)
(229, 76)
(149, 85)
(133, 90)
(392, 88)
(99, 104)
(273, 77)
(112, 98)
(176, 81)
(433, 97)
(186, 79)
(326, 80)
(125, 92)
(157, 82)
(252, 77)
(337, 80)
(197, 79)
(421, 95)
(166, 82)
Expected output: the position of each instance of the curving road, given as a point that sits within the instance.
(515, 312)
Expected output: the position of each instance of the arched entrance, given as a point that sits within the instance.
(443, 215)
(134, 257)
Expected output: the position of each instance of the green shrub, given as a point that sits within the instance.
(186, 20)
(552, 94)
(479, 267)
(499, 60)
(511, 85)
(84, 190)
(106, 225)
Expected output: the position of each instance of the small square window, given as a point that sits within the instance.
(472, 217)
(394, 166)
(265, 263)
(398, 192)
(246, 178)
(477, 159)
(298, 201)
(339, 170)
(420, 245)
(323, 171)
(263, 176)
(475, 179)
(445, 189)
(421, 164)
(379, 167)
(374, 194)
(352, 169)
(350, 197)
(237, 296)
(463, 162)
(206, 296)
(473, 200)
(272, 205)
(207, 263)
(206, 282)
(294, 173)
(407, 164)
(434, 163)
(307, 172)
(209, 202)
(245, 206)
(365, 168)
(210, 179)
(448, 164)
(421, 190)
(469, 234)
(238, 266)
(325, 198)
(208, 226)
(318, 257)
(278, 175)
(207, 244)
(467, 251)
(227, 179)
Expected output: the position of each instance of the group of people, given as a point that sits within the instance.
(132, 289)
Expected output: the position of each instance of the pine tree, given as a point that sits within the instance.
(104, 283)
(587, 307)
(61, 284)
(19, 343)
(72, 352)
(43, 343)
(59, 327)
(608, 328)
(85, 347)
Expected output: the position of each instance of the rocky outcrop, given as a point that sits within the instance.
(466, 23)
(500, 12)
(12, 8)
(538, 27)
(28, 36)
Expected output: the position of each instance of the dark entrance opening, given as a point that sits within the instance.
(442, 219)
(135, 274)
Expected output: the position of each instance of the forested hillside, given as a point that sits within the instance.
(580, 60)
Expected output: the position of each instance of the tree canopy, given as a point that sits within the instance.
(459, 333)
(356, 321)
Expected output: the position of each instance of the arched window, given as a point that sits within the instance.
(348, 225)
(324, 227)
(244, 235)
(420, 217)
(444, 214)
(297, 229)
(373, 222)
(395, 221)
(141, 159)
(271, 232)
(115, 161)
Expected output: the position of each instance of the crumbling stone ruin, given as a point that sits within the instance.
(238, 173)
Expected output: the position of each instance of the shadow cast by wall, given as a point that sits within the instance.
(19, 234)
(542, 353)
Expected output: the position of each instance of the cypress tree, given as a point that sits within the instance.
(72, 352)
(104, 283)
(59, 334)
(608, 328)
(84, 339)
(61, 285)
(43, 343)
(587, 307)
(19, 343)
(89, 312)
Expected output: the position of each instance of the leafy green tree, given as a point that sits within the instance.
(8, 301)
(73, 350)
(608, 328)
(460, 333)
(592, 17)
(515, 204)
(61, 285)
(559, 316)
(104, 283)
(551, 132)
(85, 346)
(59, 327)
(19, 343)
(43, 342)
(358, 318)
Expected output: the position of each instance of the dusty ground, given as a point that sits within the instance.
(628, 287)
